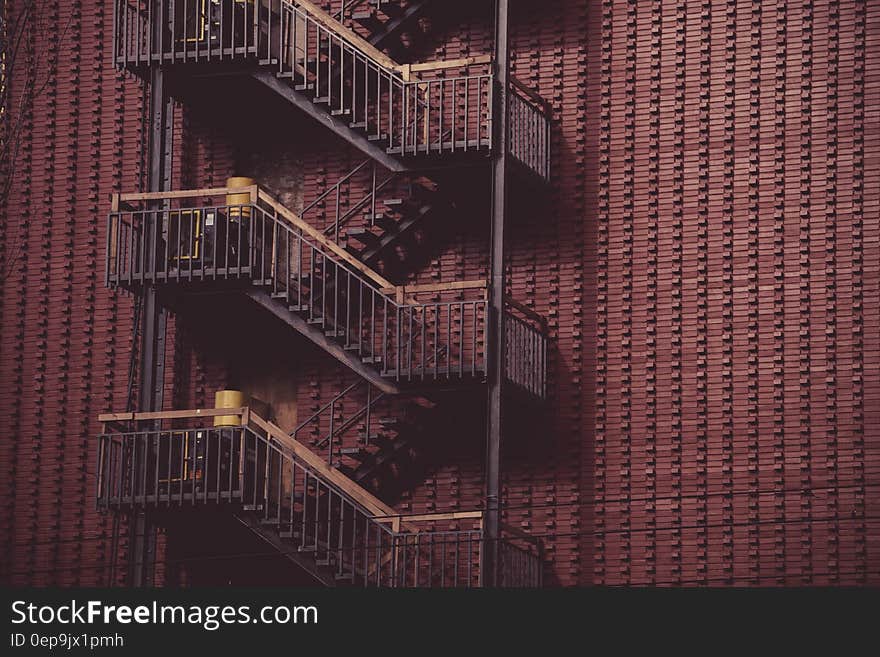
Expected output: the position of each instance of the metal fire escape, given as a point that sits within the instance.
(402, 340)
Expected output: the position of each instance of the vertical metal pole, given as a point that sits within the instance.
(496, 301)
(152, 370)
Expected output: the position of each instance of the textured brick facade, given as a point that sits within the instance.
(708, 261)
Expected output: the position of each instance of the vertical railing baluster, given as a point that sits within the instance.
(305, 509)
(315, 545)
(339, 539)
(291, 517)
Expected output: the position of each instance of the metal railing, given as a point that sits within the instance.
(197, 243)
(529, 129)
(525, 353)
(366, 175)
(520, 560)
(148, 32)
(253, 468)
(406, 117)
(339, 418)
(348, 6)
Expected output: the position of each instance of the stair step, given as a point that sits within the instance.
(321, 100)
(337, 333)
(298, 309)
(379, 459)
(371, 360)
(354, 452)
(315, 320)
(375, 137)
(358, 125)
(386, 223)
(363, 235)
(341, 112)
(368, 19)
(391, 9)
(382, 442)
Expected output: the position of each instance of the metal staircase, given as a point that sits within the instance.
(374, 213)
(387, 24)
(178, 461)
(338, 286)
(194, 241)
(368, 435)
(404, 116)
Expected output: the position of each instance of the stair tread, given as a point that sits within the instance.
(386, 223)
(353, 451)
(363, 235)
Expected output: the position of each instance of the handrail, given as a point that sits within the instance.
(251, 420)
(340, 14)
(370, 196)
(329, 404)
(381, 511)
(346, 424)
(402, 290)
(384, 286)
(519, 533)
(410, 116)
(260, 194)
(281, 484)
(531, 93)
(319, 237)
(319, 465)
(348, 176)
(182, 193)
(444, 64)
(369, 50)
(406, 71)
(256, 194)
(525, 310)
(321, 284)
(171, 415)
(437, 517)
(334, 431)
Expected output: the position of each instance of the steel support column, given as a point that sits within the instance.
(151, 375)
(495, 414)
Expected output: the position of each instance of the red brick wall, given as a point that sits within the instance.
(64, 340)
(737, 375)
(707, 260)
